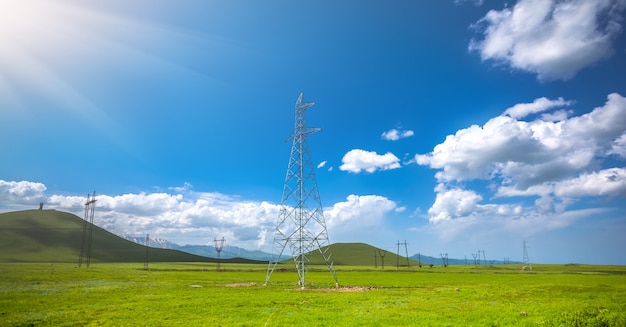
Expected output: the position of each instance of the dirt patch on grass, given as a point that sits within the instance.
(241, 284)
(342, 289)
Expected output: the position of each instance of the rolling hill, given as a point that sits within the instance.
(359, 254)
(55, 236)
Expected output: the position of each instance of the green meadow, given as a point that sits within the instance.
(41, 285)
(196, 294)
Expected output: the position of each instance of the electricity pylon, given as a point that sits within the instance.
(90, 207)
(526, 265)
(219, 246)
(301, 224)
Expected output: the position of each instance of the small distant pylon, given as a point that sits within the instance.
(301, 224)
(145, 263)
(526, 265)
(85, 245)
(219, 246)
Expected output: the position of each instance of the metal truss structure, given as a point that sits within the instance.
(526, 265)
(85, 244)
(301, 225)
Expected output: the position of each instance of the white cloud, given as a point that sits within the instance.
(195, 218)
(321, 164)
(549, 165)
(475, 2)
(22, 192)
(558, 115)
(358, 160)
(554, 39)
(181, 189)
(529, 153)
(522, 110)
(199, 217)
(453, 203)
(606, 182)
(395, 134)
(359, 214)
(619, 146)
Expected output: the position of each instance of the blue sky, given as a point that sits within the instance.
(457, 126)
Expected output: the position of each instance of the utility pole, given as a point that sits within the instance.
(382, 254)
(444, 258)
(375, 259)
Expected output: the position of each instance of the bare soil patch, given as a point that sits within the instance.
(241, 284)
(342, 289)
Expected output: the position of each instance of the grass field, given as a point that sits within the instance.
(195, 294)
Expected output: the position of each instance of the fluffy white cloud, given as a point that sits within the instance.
(321, 164)
(606, 182)
(358, 160)
(453, 203)
(199, 217)
(619, 146)
(522, 110)
(193, 218)
(22, 192)
(557, 162)
(395, 134)
(529, 153)
(554, 39)
(359, 214)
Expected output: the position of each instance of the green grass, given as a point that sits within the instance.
(41, 286)
(195, 294)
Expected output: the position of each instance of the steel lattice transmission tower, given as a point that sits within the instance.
(301, 224)
(219, 246)
(85, 245)
(526, 265)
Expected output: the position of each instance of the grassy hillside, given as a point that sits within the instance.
(359, 254)
(55, 236)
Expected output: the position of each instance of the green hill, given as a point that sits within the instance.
(55, 236)
(358, 254)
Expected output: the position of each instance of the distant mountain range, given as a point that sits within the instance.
(237, 252)
(427, 260)
(228, 251)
